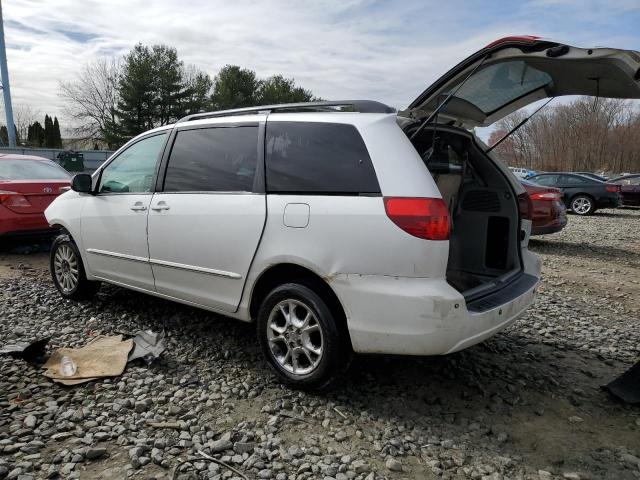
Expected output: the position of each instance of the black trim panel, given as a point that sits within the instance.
(513, 290)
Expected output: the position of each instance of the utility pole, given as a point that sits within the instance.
(6, 91)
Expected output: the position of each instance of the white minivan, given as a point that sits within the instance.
(337, 227)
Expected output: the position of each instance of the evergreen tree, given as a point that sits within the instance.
(57, 136)
(49, 134)
(35, 135)
(168, 86)
(234, 87)
(4, 135)
(137, 96)
(277, 89)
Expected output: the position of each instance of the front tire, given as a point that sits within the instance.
(583, 205)
(67, 270)
(301, 339)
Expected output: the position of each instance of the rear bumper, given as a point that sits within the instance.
(553, 227)
(420, 316)
(612, 201)
(22, 224)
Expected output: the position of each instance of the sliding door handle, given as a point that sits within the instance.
(160, 206)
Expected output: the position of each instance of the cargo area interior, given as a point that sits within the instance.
(484, 251)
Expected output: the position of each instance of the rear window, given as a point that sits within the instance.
(31, 170)
(221, 159)
(318, 158)
(496, 85)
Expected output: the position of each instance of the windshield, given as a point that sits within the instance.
(492, 87)
(31, 170)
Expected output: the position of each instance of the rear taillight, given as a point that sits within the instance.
(426, 218)
(550, 196)
(13, 200)
(525, 207)
(612, 188)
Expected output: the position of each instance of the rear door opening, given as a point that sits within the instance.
(484, 239)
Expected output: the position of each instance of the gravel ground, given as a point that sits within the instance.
(526, 404)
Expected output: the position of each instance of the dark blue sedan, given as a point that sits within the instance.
(581, 194)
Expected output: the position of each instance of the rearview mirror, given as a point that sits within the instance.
(82, 183)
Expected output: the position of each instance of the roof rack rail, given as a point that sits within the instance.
(360, 106)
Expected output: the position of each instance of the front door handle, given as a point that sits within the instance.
(138, 207)
(160, 206)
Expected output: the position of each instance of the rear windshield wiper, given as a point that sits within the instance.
(517, 127)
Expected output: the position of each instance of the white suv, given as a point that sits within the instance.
(337, 227)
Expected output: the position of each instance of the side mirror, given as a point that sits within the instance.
(82, 183)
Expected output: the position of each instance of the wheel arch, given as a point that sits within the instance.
(282, 273)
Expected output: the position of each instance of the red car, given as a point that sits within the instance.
(549, 212)
(28, 184)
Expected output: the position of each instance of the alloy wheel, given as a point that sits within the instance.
(581, 205)
(65, 264)
(295, 337)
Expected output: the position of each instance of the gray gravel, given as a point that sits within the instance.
(524, 405)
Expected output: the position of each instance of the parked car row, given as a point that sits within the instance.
(581, 194)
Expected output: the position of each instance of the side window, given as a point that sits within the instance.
(317, 158)
(132, 170)
(546, 180)
(217, 159)
(573, 180)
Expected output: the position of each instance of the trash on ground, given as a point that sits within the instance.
(28, 351)
(627, 386)
(103, 356)
(148, 345)
(67, 367)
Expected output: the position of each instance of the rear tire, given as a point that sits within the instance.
(301, 338)
(583, 205)
(67, 270)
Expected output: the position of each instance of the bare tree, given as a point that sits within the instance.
(92, 98)
(584, 135)
(23, 116)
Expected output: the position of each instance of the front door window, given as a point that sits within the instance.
(132, 170)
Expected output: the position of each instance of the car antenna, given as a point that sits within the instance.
(434, 114)
(517, 127)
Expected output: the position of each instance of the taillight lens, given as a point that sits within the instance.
(550, 196)
(525, 206)
(612, 188)
(426, 218)
(13, 200)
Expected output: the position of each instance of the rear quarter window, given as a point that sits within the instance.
(318, 158)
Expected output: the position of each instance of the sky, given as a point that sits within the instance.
(382, 50)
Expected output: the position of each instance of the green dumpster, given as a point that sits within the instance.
(71, 161)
